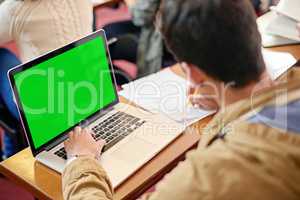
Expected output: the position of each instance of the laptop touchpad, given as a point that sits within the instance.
(134, 150)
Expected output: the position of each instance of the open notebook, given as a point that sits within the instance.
(164, 92)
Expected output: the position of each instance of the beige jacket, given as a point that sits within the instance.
(253, 161)
(38, 26)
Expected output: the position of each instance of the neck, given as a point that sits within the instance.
(232, 95)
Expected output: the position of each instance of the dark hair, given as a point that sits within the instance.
(218, 36)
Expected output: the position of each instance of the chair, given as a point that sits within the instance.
(13, 129)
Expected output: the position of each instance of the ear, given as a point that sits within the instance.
(195, 74)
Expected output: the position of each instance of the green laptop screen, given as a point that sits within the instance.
(64, 90)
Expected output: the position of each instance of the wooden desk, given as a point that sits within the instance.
(292, 49)
(45, 183)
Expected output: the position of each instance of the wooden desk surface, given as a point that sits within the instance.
(292, 49)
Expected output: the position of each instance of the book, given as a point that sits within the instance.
(284, 22)
(284, 26)
(268, 39)
(289, 8)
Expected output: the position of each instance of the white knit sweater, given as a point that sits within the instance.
(38, 26)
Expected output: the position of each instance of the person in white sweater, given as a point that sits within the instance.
(37, 26)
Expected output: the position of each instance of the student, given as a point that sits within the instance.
(37, 26)
(138, 40)
(256, 4)
(251, 148)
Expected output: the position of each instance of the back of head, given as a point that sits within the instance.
(218, 36)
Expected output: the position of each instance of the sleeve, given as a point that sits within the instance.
(212, 174)
(84, 178)
(144, 12)
(180, 184)
(7, 9)
(206, 174)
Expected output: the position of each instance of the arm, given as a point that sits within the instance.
(212, 173)
(180, 184)
(84, 177)
(143, 11)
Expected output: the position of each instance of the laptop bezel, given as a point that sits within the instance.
(20, 68)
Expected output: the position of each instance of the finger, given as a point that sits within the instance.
(199, 89)
(101, 143)
(201, 102)
(191, 90)
(208, 105)
(195, 99)
(86, 131)
(67, 145)
(87, 134)
(71, 135)
(200, 96)
(78, 130)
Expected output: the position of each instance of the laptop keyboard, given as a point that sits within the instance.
(61, 153)
(112, 130)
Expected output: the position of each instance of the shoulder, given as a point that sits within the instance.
(8, 13)
(230, 166)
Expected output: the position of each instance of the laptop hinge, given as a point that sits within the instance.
(56, 142)
(93, 119)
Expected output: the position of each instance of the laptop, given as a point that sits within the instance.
(75, 86)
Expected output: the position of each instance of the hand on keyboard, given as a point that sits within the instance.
(81, 143)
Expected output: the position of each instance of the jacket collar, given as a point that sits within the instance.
(286, 90)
